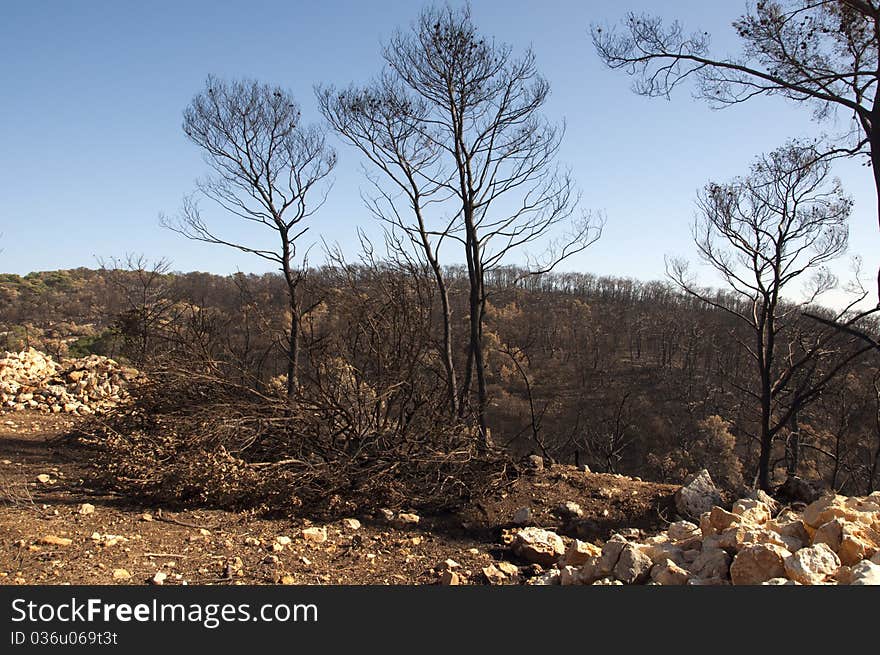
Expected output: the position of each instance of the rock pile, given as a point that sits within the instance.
(834, 540)
(33, 380)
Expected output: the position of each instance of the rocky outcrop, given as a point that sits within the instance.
(33, 380)
(834, 540)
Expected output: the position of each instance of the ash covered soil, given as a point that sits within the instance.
(55, 529)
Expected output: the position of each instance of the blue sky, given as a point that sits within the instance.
(92, 148)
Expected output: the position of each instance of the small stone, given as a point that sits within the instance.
(288, 579)
(406, 519)
(352, 524)
(387, 514)
(569, 510)
(450, 578)
(121, 574)
(283, 540)
(315, 535)
(508, 568)
(780, 582)
(52, 540)
(494, 575)
(568, 576)
(522, 516)
(535, 462)
(146, 516)
(204, 532)
(159, 578)
(43, 478)
(448, 565)
(86, 508)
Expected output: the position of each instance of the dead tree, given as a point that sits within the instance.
(388, 125)
(761, 233)
(478, 107)
(825, 53)
(267, 168)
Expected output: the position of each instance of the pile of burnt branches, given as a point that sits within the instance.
(187, 440)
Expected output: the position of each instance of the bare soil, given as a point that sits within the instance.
(204, 546)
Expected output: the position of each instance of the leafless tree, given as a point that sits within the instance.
(824, 52)
(761, 233)
(388, 124)
(144, 290)
(267, 169)
(473, 108)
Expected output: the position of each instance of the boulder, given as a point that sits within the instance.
(697, 495)
(812, 565)
(538, 546)
(758, 563)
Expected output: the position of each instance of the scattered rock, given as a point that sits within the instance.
(865, 572)
(697, 495)
(494, 575)
(758, 563)
(538, 546)
(579, 553)
(812, 565)
(522, 516)
(569, 510)
(315, 535)
(352, 524)
(683, 531)
(669, 573)
(535, 462)
(450, 578)
(52, 540)
(610, 554)
(86, 508)
(711, 563)
(159, 578)
(44, 478)
(406, 519)
(633, 566)
(121, 574)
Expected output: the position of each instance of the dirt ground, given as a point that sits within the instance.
(43, 493)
